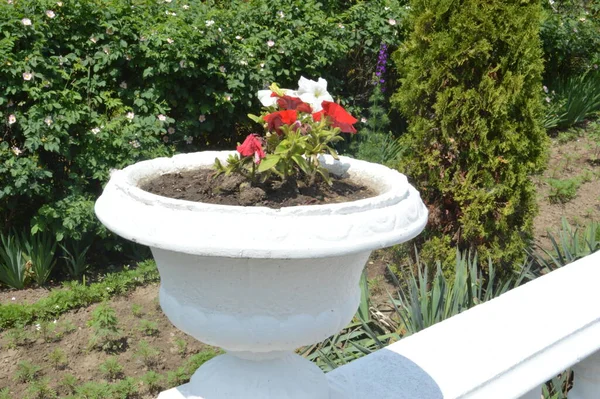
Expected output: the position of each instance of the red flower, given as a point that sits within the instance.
(293, 103)
(338, 115)
(252, 146)
(276, 119)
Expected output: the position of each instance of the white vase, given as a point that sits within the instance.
(255, 281)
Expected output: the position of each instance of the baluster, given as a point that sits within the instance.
(586, 379)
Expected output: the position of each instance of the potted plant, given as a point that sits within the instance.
(260, 282)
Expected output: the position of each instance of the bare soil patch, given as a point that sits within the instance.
(84, 363)
(569, 159)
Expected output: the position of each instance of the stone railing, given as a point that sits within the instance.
(505, 348)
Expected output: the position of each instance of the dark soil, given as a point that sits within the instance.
(203, 186)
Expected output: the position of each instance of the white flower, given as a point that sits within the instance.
(27, 75)
(9, 1)
(171, 130)
(392, 21)
(57, 307)
(48, 121)
(313, 93)
(363, 120)
(123, 85)
(262, 64)
(209, 22)
(96, 130)
(38, 327)
(130, 115)
(202, 118)
(281, 14)
(50, 14)
(386, 8)
(243, 62)
(185, 6)
(265, 98)
(545, 89)
(189, 139)
(548, 99)
(17, 152)
(93, 39)
(110, 31)
(161, 117)
(11, 119)
(54, 322)
(227, 98)
(238, 37)
(13, 299)
(59, 3)
(220, 30)
(170, 41)
(222, 69)
(167, 1)
(270, 43)
(26, 21)
(106, 50)
(135, 144)
(341, 26)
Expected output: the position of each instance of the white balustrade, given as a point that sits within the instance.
(502, 349)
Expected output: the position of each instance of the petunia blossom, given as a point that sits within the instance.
(294, 103)
(50, 14)
(276, 119)
(26, 21)
(338, 116)
(27, 75)
(11, 119)
(269, 99)
(252, 146)
(313, 93)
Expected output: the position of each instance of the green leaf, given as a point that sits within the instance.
(268, 162)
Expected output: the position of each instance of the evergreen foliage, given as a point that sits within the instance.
(470, 88)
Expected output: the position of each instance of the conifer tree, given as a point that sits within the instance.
(470, 77)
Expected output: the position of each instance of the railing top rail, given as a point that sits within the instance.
(500, 349)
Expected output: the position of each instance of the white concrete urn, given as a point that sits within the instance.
(255, 281)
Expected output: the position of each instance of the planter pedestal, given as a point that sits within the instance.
(257, 282)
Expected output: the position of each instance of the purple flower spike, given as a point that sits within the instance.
(381, 63)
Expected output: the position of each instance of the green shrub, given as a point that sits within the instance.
(12, 262)
(471, 78)
(26, 371)
(563, 190)
(41, 389)
(148, 327)
(574, 99)
(106, 334)
(111, 369)
(569, 34)
(101, 85)
(39, 250)
(153, 382)
(58, 359)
